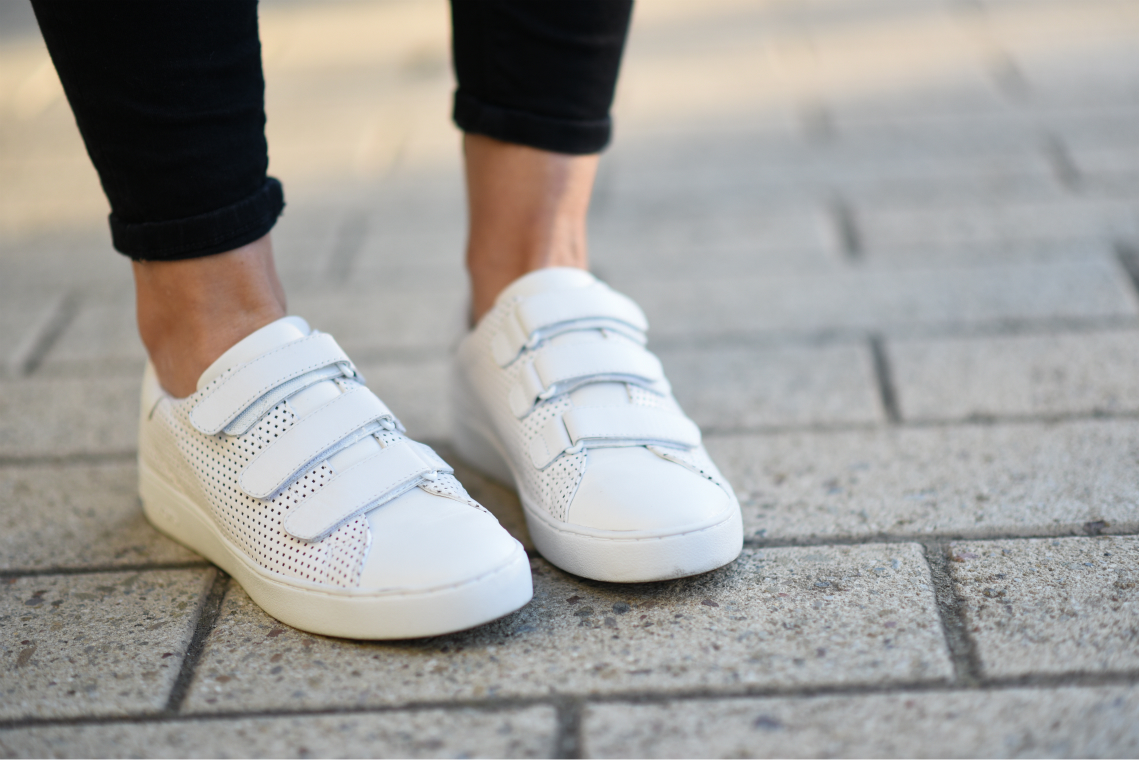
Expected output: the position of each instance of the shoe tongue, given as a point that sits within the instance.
(272, 335)
(546, 281)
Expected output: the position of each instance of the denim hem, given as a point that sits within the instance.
(575, 137)
(205, 234)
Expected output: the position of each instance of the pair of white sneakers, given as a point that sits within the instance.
(286, 471)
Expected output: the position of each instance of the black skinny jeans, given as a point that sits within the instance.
(169, 98)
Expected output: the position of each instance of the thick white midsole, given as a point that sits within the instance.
(614, 556)
(348, 613)
(620, 559)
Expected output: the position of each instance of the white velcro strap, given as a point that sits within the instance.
(559, 369)
(366, 484)
(546, 312)
(323, 428)
(240, 388)
(611, 426)
(243, 422)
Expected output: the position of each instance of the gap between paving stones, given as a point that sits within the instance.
(570, 702)
(94, 458)
(950, 607)
(208, 613)
(569, 742)
(93, 569)
(930, 539)
(884, 378)
(925, 539)
(972, 420)
(725, 339)
(67, 460)
(1011, 327)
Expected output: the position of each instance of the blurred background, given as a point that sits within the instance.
(815, 102)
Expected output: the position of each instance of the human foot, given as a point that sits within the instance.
(554, 391)
(283, 469)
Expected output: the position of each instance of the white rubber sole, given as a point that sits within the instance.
(347, 613)
(617, 557)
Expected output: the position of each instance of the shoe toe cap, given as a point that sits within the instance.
(423, 541)
(633, 489)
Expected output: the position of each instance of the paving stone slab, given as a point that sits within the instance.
(1070, 722)
(405, 234)
(22, 320)
(429, 253)
(733, 164)
(59, 417)
(1051, 605)
(76, 516)
(379, 318)
(983, 132)
(417, 391)
(950, 229)
(851, 299)
(1097, 69)
(972, 480)
(96, 644)
(75, 255)
(981, 254)
(1112, 179)
(719, 233)
(733, 388)
(303, 239)
(782, 617)
(524, 732)
(103, 336)
(1073, 373)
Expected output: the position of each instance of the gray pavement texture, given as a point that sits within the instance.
(889, 251)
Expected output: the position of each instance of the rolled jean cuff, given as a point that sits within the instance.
(575, 137)
(216, 231)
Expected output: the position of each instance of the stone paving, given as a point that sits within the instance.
(890, 253)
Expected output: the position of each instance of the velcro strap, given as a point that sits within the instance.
(317, 433)
(240, 388)
(611, 426)
(366, 484)
(559, 369)
(255, 411)
(547, 312)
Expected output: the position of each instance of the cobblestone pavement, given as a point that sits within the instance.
(890, 251)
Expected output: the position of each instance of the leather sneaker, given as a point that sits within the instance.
(288, 473)
(555, 391)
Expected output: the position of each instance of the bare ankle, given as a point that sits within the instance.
(192, 311)
(527, 211)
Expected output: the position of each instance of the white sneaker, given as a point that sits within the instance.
(555, 391)
(288, 473)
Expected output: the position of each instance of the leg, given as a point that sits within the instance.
(169, 100)
(285, 470)
(191, 311)
(527, 211)
(532, 137)
(554, 387)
